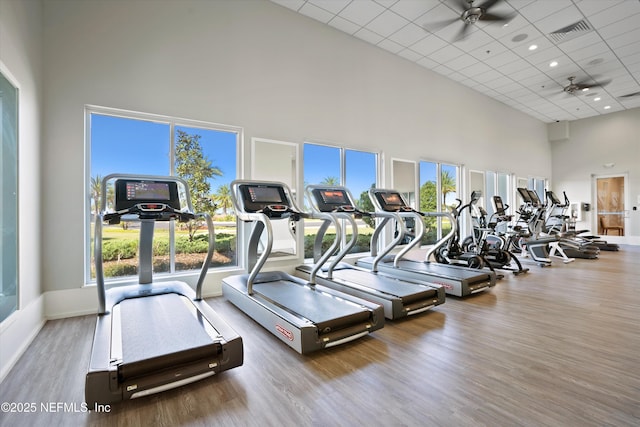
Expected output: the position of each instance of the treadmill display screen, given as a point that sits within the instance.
(524, 193)
(265, 195)
(148, 191)
(534, 197)
(551, 195)
(392, 199)
(334, 197)
(131, 192)
(258, 197)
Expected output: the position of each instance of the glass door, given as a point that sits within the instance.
(610, 195)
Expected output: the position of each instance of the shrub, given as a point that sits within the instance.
(118, 269)
(115, 250)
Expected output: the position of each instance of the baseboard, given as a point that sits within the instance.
(70, 303)
(18, 331)
(621, 240)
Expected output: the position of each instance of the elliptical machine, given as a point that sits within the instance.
(485, 240)
(453, 252)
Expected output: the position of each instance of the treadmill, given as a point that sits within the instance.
(398, 297)
(457, 280)
(153, 336)
(305, 316)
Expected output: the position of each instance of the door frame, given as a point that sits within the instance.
(594, 197)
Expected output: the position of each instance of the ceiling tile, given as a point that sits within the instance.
(447, 53)
(408, 35)
(462, 62)
(591, 7)
(387, 23)
(534, 12)
(344, 25)
(333, 6)
(291, 4)
(391, 46)
(559, 19)
(410, 55)
(428, 45)
(316, 13)
(615, 13)
(368, 36)
(412, 9)
(362, 11)
(494, 59)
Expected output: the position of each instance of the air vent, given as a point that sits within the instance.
(570, 32)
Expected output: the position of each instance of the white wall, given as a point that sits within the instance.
(253, 64)
(21, 59)
(594, 142)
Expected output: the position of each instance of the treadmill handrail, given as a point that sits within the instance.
(417, 240)
(265, 221)
(100, 217)
(346, 215)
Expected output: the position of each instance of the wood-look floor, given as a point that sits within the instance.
(557, 347)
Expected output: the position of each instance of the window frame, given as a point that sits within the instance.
(172, 122)
(8, 76)
(342, 153)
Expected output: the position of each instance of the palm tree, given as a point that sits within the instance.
(96, 189)
(447, 185)
(331, 180)
(223, 198)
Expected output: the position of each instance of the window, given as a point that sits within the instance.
(497, 185)
(354, 169)
(8, 198)
(539, 186)
(204, 154)
(438, 193)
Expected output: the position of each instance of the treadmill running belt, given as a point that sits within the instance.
(161, 328)
(385, 283)
(323, 310)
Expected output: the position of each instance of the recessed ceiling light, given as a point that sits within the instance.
(553, 64)
(585, 89)
(606, 107)
(596, 99)
(533, 47)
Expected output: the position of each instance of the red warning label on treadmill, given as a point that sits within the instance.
(287, 334)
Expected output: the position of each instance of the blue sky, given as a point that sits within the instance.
(142, 147)
(321, 162)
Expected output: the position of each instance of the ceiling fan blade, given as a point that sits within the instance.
(630, 95)
(433, 27)
(488, 4)
(585, 85)
(602, 83)
(462, 33)
(463, 5)
(495, 18)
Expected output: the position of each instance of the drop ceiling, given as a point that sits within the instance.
(496, 60)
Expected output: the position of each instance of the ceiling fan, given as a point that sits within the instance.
(629, 95)
(472, 14)
(573, 88)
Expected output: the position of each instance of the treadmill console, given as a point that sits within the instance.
(524, 193)
(554, 199)
(332, 200)
(498, 205)
(534, 198)
(148, 196)
(267, 197)
(391, 201)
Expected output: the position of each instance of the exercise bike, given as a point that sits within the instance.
(453, 251)
(487, 242)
